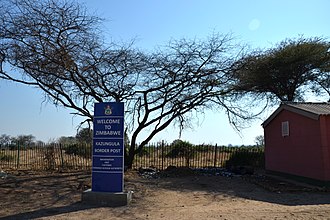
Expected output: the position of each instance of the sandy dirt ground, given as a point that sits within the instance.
(26, 195)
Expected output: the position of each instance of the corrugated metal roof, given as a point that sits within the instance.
(312, 107)
(309, 109)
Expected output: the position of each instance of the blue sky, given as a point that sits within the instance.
(152, 23)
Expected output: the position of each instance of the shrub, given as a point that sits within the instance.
(13, 147)
(6, 158)
(245, 157)
(82, 150)
(49, 158)
(183, 149)
(180, 148)
(204, 148)
(145, 151)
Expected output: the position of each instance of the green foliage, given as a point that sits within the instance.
(6, 158)
(49, 158)
(246, 157)
(285, 70)
(204, 148)
(183, 149)
(85, 136)
(145, 151)
(180, 148)
(5, 139)
(225, 149)
(13, 146)
(23, 140)
(67, 140)
(83, 150)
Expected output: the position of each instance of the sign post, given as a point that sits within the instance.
(108, 156)
(108, 147)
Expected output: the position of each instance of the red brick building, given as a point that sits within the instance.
(297, 141)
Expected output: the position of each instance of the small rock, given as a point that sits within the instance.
(3, 174)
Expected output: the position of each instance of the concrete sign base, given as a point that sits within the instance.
(106, 199)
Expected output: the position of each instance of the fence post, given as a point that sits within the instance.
(18, 149)
(215, 155)
(162, 145)
(61, 155)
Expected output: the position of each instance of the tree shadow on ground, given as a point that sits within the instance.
(258, 188)
(30, 196)
(22, 192)
(47, 212)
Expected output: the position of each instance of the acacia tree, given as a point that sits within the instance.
(260, 141)
(66, 140)
(53, 45)
(24, 140)
(85, 135)
(5, 139)
(284, 72)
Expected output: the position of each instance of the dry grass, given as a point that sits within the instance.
(44, 159)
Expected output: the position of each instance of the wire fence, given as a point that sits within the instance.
(46, 157)
(159, 156)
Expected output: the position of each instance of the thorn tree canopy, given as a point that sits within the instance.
(53, 45)
(284, 72)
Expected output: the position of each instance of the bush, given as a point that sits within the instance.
(49, 158)
(180, 149)
(253, 158)
(13, 147)
(204, 148)
(183, 149)
(79, 150)
(145, 151)
(6, 158)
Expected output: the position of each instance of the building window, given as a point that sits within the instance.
(285, 128)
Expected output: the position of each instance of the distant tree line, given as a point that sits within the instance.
(27, 140)
(83, 136)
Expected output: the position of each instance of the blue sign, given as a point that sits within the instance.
(107, 164)
(108, 147)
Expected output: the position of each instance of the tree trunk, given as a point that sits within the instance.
(129, 156)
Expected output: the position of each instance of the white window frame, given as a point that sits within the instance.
(285, 129)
